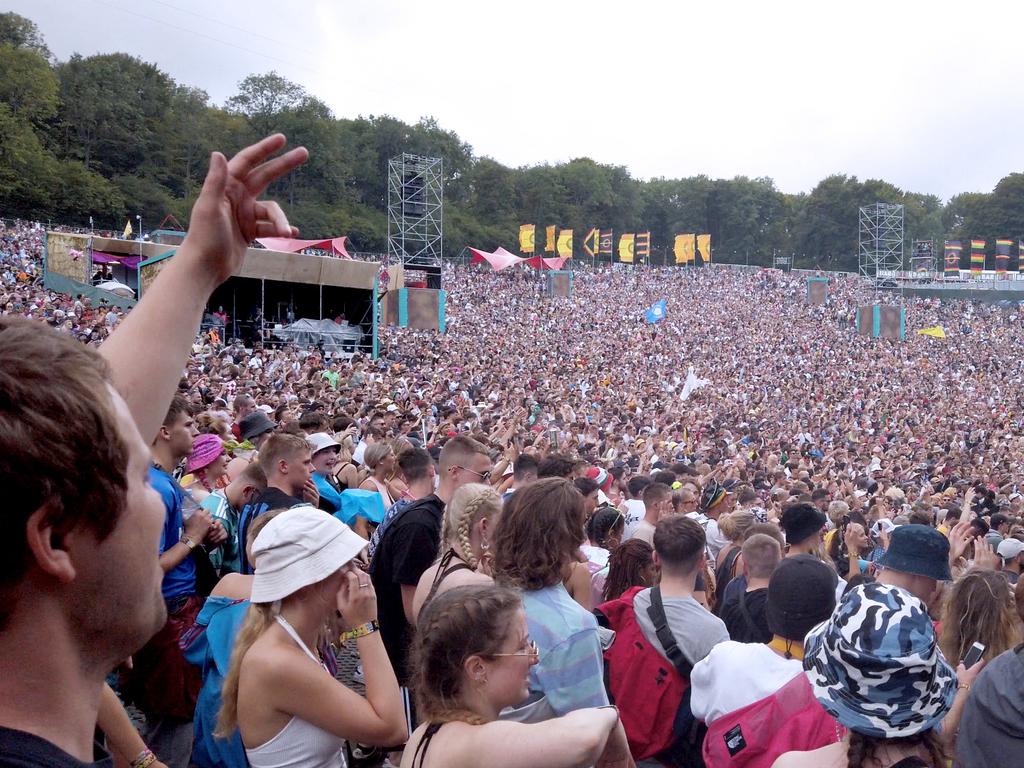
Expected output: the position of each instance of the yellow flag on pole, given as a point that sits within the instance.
(565, 244)
(683, 248)
(128, 229)
(935, 331)
(592, 243)
(550, 244)
(626, 248)
(704, 247)
(527, 237)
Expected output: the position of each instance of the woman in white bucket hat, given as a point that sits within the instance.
(288, 708)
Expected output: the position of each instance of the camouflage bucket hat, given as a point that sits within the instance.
(875, 664)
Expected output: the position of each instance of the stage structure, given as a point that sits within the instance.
(263, 300)
(880, 243)
(817, 290)
(415, 214)
(922, 258)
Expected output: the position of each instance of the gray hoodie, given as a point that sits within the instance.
(992, 728)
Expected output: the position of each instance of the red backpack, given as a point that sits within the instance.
(652, 694)
(789, 720)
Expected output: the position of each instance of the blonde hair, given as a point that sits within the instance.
(470, 504)
(255, 624)
(257, 619)
(735, 524)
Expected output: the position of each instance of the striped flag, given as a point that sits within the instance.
(1002, 255)
(642, 247)
(951, 260)
(1020, 255)
(977, 257)
(607, 242)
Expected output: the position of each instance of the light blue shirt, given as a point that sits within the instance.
(571, 668)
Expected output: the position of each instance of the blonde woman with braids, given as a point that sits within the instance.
(288, 708)
(472, 658)
(469, 520)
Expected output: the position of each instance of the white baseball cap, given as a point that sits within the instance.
(301, 546)
(1010, 548)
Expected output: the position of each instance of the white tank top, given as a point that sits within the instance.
(299, 744)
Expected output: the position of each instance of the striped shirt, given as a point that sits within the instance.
(571, 668)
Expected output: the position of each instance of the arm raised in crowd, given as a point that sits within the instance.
(148, 352)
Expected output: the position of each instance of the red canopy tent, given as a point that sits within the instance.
(335, 245)
(502, 259)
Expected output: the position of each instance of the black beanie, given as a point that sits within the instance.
(801, 595)
(801, 521)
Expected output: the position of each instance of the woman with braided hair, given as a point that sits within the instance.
(473, 654)
(469, 521)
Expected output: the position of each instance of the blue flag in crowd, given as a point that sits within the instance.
(656, 312)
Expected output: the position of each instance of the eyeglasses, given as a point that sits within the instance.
(530, 650)
(483, 475)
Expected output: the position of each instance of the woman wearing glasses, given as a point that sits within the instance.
(466, 534)
(473, 657)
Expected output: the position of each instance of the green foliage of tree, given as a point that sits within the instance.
(22, 33)
(111, 136)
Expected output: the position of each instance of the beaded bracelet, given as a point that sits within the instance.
(145, 759)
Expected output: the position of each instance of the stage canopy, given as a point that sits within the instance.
(501, 259)
(335, 245)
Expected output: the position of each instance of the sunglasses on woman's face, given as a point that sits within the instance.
(530, 649)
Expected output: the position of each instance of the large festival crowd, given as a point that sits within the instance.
(554, 535)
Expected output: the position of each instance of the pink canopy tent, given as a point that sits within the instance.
(335, 245)
(129, 262)
(501, 259)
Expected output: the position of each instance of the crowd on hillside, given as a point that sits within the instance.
(745, 535)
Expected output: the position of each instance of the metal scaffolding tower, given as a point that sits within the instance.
(881, 241)
(415, 214)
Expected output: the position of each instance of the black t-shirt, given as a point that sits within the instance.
(19, 749)
(739, 628)
(408, 548)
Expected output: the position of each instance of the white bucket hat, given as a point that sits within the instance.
(318, 441)
(299, 547)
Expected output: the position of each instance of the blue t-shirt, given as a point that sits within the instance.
(181, 579)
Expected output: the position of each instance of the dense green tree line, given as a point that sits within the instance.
(111, 136)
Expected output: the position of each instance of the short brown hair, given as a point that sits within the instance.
(179, 405)
(538, 532)
(655, 493)
(761, 555)
(459, 450)
(679, 542)
(281, 447)
(60, 447)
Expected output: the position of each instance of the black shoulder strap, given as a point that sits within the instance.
(746, 613)
(656, 612)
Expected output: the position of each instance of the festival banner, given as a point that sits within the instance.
(1002, 255)
(1020, 256)
(549, 245)
(607, 244)
(527, 238)
(592, 243)
(977, 257)
(642, 248)
(704, 247)
(626, 248)
(951, 259)
(128, 229)
(683, 249)
(564, 246)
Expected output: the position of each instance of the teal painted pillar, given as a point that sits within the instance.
(442, 301)
(376, 312)
(876, 321)
(403, 307)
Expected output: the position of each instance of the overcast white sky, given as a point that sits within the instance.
(923, 94)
